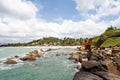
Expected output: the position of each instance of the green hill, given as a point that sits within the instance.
(111, 37)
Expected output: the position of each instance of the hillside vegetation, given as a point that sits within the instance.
(50, 41)
(111, 37)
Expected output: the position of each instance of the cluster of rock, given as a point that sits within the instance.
(31, 56)
(104, 64)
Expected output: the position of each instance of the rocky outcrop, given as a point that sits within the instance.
(107, 76)
(31, 56)
(103, 63)
(82, 75)
(93, 66)
(94, 70)
(10, 61)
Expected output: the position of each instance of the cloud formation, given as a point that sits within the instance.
(19, 23)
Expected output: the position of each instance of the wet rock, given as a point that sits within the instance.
(28, 57)
(78, 66)
(86, 76)
(16, 56)
(49, 49)
(107, 76)
(57, 54)
(10, 61)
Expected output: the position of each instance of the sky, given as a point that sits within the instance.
(27, 20)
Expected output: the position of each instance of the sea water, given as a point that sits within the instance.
(48, 68)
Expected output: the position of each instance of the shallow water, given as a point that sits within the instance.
(49, 68)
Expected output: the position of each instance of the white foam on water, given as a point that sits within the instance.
(10, 66)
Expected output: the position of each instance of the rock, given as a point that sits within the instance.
(35, 51)
(57, 54)
(10, 61)
(93, 66)
(78, 57)
(40, 55)
(84, 59)
(118, 64)
(116, 50)
(86, 76)
(78, 66)
(28, 57)
(49, 49)
(23, 58)
(16, 56)
(107, 76)
(112, 68)
(75, 56)
(90, 64)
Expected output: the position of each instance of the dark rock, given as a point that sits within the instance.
(16, 56)
(93, 66)
(57, 54)
(86, 76)
(49, 49)
(116, 50)
(107, 76)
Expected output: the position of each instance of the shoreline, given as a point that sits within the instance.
(52, 47)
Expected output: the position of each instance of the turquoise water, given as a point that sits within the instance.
(49, 68)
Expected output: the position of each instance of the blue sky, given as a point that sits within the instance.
(55, 9)
(26, 20)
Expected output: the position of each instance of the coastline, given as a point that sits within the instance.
(52, 47)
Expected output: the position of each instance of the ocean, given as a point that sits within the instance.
(48, 68)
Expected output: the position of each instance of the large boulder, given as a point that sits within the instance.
(93, 66)
(107, 76)
(86, 76)
(10, 61)
(111, 66)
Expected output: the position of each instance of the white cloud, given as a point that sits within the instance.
(18, 23)
(102, 8)
(86, 5)
(21, 9)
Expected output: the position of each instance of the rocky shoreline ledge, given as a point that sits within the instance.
(104, 64)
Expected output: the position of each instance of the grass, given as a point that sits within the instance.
(112, 41)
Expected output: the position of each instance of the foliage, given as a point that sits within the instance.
(110, 37)
(113, 41)
(95, 39)
(50, 41)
